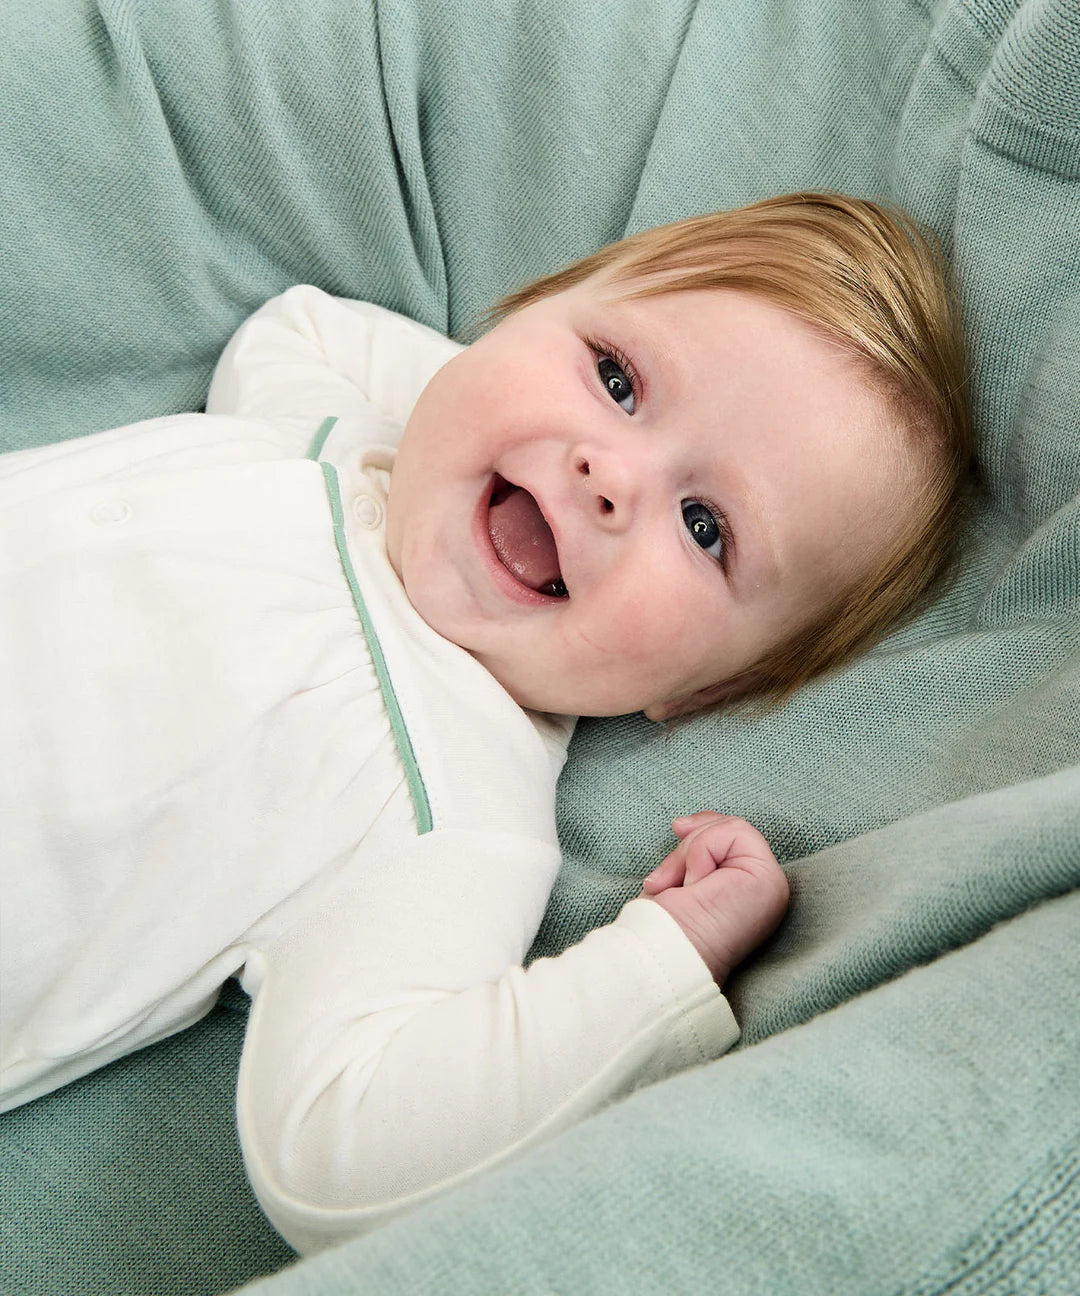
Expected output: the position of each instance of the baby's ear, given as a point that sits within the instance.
(703, 699)
(699, 701)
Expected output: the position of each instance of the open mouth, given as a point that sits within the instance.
(522, 539)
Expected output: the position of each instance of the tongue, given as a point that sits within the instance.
(522, 538)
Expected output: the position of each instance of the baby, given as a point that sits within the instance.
(292, 703)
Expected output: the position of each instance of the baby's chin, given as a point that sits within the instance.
(556, 695)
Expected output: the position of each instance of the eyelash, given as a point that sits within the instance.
(601, 349)
(724, 527)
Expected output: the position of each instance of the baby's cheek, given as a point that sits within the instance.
(637, 631)
(657, 619)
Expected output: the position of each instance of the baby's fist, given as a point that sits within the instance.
(722, 885)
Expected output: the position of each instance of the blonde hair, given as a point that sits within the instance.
(869, 279)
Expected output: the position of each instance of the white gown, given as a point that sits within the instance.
(231, 747)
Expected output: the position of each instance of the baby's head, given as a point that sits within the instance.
(710, 461)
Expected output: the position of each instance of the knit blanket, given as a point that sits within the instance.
(903, 1113)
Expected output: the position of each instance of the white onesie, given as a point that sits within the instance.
(231, 747)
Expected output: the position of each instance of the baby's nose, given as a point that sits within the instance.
(608, 482)
(585, 469)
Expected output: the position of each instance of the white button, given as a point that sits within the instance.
(367, 511)
(110, 512)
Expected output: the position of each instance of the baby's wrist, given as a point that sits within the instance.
(718, 965)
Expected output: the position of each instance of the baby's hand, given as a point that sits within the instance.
(722, 885)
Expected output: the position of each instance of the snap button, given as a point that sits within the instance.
(110, 512)
(368, 512)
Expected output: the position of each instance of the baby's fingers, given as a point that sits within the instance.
(684, 825)
(668, 873)
(701, 859)
(690, 861)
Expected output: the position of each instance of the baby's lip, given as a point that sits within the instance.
(522, 539)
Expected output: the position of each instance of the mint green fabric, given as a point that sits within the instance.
(903, 1115)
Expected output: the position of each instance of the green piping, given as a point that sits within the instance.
(417, 791)
(321, 433)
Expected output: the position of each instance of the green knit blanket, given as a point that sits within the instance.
(903, 1114)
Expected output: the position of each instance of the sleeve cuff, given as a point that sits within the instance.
(705, 1025)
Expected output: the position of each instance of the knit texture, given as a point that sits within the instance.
(903, 1115)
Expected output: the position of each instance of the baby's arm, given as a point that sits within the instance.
(305, 355)
(397, 1047)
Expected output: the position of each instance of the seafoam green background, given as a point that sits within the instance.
(904, 1113)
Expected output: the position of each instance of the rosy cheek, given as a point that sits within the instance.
(656, 610)
(634, 632)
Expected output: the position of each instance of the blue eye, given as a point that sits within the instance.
(619, 386)
(705, 528)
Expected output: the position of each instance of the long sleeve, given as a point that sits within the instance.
(919, 1138)
(397, 1047)
(306, 355)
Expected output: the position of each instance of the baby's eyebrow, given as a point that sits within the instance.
(652, 359)
(771, 567)
(755, 551)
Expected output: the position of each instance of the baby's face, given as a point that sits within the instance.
(614, 504)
